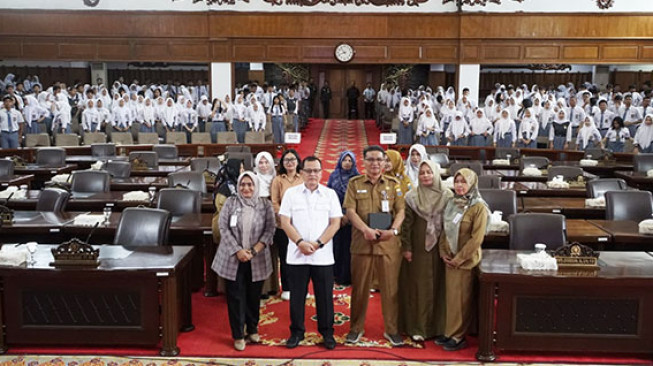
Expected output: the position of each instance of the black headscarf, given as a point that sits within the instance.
(225, 182)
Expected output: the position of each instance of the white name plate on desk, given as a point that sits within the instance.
(293, 138)
(388, 138)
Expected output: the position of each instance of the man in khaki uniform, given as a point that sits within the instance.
(373, 249)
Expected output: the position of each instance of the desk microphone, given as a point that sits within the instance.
(97, 223)
(8, 198)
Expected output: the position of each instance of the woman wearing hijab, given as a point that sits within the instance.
(428, 128)
(34, 114)
(448, 112)
(398, 170)
(239, 122)
(480, 128)
(62, 118)
(589, 136)
(505, 131)
(90, 118)
(265, 172)
(545, 118)
(616, 136)
(559, 132)
(246, 223)
(465, 222)
(147, 117)
(406, 115)
(422, 285)
(416, 154)
(458, 130)
(643, 140)
(256, 117)
(169, 116)
(338, 180)
(528, 130)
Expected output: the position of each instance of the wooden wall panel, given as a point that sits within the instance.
(619, 52)
(433, 53)
(541, 52)
(86, 51)
(278, 52)
(113, 51)
(404, 52)
(581, 52)
(504, 52)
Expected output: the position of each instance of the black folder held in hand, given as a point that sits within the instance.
(380, 220)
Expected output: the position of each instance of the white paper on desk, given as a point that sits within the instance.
(14, 192)
(88, 220)
(649, 173)
(114, 252)
(13, 256)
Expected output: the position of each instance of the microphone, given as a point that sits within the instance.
(8, 198)
(92, 232)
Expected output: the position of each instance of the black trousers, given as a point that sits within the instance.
(280, 240)
(243, 302)
(322, 277)
(342, 254)
(353, 108)
(369, 110)
(325, 108)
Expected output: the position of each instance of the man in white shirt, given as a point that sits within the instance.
(310, 215)
(368, 98)
(576, 116)
(630, 114)
(603, 118)
(11, 124)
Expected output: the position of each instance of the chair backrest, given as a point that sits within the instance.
(597, 187)
(476, 166)
(52, 200)
(51, 157)
(166, 151)
(176, 138)
(202, 164)
(594, 154)
(118, 169)
(503, 152)
(539, 162)
(528, 229)
(122, 138)
(64, 139)
(103, 150)
(501, 200)
(34, 140)
(628, 205)
(239, 148)
(179, 201)
(440, 158)
(90, 181)
(200, 138)
(148, 138)
(194, 181)
(567, 172)
(255, 137)
(143, 227)
(150, 158)
(489, 182)
(227, 137)
(642, 163)
(91, 138)
(246, 157)
(6, 168)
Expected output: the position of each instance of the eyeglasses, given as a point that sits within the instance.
(370, 160)
(312, 171)
(289, 160)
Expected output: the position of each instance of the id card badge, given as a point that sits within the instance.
(233, 220)
(385, 206)
(457, 218)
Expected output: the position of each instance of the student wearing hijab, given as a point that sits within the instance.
(480, 128)
(239, 122)
(147, 117)
(528, 130)
(416, 154)
(589, 136)
(256, 117)
(406, 116)
(457, 131)
(90, 118)
(169, 116)
(643, 140)
(421, 281)
(545, 118)
(505, 131)
(33, 114)
(428, 128)
(338, 180)
(246, 223)
(104, 115)
(616, 136)
(465, 223)
(560, 131)
(398, 170)
(121, 117)
(62, 115)
(448, 112)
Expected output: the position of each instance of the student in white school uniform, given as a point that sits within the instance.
(505, 131)
(448, 112)
(529, 129)
(643, 140)
(104, 115)
(33, 114)
(630, 114)
(603, 117)
(645, 108)
(122, 117)
(428, 128)
(480, 129)
(90, 118)
(239, 122)
(188, 120)
(589, 136)
(277, 111)
(616, 137)
(406, 115)
(559, 132)
(11, 124)
(203, 113)
(62, 117)
(576, 116)
(545, 118)
(147, 116)
(458, 131)
(169, 116)
(256, 117)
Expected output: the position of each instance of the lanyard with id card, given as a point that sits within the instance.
(385, 204)
(233, 220)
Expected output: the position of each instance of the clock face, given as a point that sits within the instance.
(344, 52)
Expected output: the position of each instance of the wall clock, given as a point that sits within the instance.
(344, 52)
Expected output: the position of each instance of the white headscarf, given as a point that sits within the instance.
(644, 134)
(412, 170)
(503, 124)
(586, 132)
(265, 180)
(405, 110)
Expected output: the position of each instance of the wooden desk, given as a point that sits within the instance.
(609, 310)
(625, 235)
(43, 174)
(44, 227)
(139, 296)
(16, 180)
(160, 171)
(138, 183)
(540, 189)
(636, 179)
(516, 176)
(604, 169)
(571, 207)
(85, 161)
(581, 231)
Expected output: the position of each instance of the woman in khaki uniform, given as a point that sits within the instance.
(421, 280)
(465, 224)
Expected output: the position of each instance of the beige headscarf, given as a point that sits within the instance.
(428, 202)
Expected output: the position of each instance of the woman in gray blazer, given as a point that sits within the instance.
(243, 259)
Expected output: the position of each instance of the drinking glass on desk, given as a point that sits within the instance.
(107, 214)
(152, 191)
(508, 156)
(31, 248)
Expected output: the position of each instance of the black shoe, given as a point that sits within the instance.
(442, 340)
(329, 343)
(293, 341)
(452, 345)
(265, 297)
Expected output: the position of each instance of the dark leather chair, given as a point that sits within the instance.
(642, 163)
(6, 168)
(191, 180)
(51, 157)
(103, 150)
(179, 201)
(597, 187)
(143, 227)
(202, 164)
(239, 148)
(437, 149)
(628, 205)
(90, 181)
(440, 158)
(501, 200)
(148, 157)
(539, 162)
(473, 165)
(528, 229)
(567, 172)
(594, 154)
(52, 200)
(118, 169)
(246, 157)
(503, 152)
(166, 151)
(489, 182)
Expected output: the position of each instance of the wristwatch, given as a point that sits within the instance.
(320, 243)
(395, 231)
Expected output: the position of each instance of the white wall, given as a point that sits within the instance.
(469, 76)
(221, 79)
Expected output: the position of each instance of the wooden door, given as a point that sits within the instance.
(340, 79)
